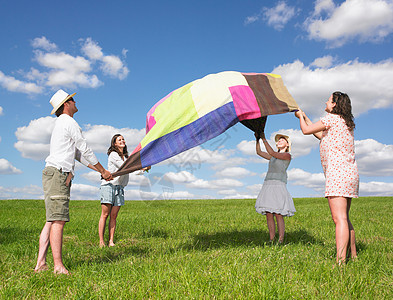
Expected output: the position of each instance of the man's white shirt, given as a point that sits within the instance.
(67, 144)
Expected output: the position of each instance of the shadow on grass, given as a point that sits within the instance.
(9, 235)
(360, 247)
(155, 233)
(108, 255)
(246, 238)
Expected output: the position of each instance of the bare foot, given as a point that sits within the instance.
(41, 268)
(102, 245)
(61, 270)
(111, 244)
(339, 264)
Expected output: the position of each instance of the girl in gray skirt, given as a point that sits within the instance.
(274, 198)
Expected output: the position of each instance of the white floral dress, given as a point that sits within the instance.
(337, 152)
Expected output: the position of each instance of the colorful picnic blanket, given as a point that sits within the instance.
(205, 108)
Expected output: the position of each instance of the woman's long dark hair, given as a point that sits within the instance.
(343, 108)
(114, 148)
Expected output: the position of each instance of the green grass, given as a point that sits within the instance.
(199, 249)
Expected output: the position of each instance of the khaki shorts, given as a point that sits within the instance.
(57, 194)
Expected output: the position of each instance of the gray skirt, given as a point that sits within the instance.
(275, 198)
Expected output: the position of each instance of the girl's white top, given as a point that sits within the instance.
(114, 163)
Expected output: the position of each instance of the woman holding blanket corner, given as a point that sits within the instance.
(112, 192)
(336, 134)
(274, 199)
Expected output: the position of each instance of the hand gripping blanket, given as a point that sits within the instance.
(205, 108)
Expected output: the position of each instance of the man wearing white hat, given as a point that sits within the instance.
(67, 144)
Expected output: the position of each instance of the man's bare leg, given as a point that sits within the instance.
(56, 242)
(43, 248)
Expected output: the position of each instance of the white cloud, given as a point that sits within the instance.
(64, 78)
(180, 195)
(247, 147)
(172, 195)
(251, 19)
(113, 66)
(187, 178)
(374, 158)
(66, 70)
(375, 188)
(63, 61)
(99, 137)
(1, 111)
(26, 192)
(138, 180)
(196, 183)
(226, 183)
(14, 85)
(314, 181)
(193, 159)
(279, 16)
(35, 151)
(201, 184)
(311, 87)
(227, 192)
(84, 192)
(234, 172)
(37, 130)
(322, 6)
(232, 161)
(276, 17)
(140, 195)
(181, 177)
(234, 194)
(255, 188)
(240, 196)
(110, 64)
(367, 20)
(59, 69)
(124, 53)
(7, 168)
(33, 139)
(92, 50)
(37, 76)
(323, 62)
(43, 43)
(93, 177)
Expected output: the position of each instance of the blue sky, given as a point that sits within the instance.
(121, 57)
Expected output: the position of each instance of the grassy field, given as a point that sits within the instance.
(199, 249)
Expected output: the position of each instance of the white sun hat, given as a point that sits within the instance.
(58, 99)
(279, 135)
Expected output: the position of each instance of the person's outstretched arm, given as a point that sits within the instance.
(258, 149)
(318, 134)
(271, 152)
(104, 173)
(310, 128)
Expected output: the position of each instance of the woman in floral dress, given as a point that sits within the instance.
(336, 132)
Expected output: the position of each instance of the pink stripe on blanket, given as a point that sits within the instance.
(246, 106)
